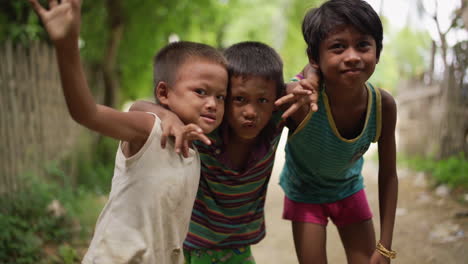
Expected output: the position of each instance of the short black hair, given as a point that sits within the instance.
(319, 22)
(255, 59)
(169, 59)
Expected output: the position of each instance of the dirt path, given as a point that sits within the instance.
(426, 231)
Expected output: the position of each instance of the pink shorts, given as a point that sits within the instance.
(350, 210)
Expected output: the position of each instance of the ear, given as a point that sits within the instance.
(161, 93)
(314, 64)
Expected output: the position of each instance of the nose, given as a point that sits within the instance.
(352, 57)
(249, 112)
(210, 103)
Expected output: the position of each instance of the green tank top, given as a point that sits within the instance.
(322, 166)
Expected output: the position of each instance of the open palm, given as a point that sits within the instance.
(62, 21)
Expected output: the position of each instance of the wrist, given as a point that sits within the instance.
(67, 44)
(385, 251)
(297, 77)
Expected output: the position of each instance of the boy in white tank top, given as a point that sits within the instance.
(153, 189)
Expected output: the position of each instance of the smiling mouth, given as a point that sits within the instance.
(352, 71)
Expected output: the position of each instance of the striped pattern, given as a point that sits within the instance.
(322, 166)
(229, 207)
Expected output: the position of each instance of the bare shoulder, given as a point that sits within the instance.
(388, 102)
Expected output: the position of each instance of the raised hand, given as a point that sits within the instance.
(62, 20)
(300, 94)
(182, 134)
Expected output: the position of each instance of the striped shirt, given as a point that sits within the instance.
(322, 166)
(229, 207)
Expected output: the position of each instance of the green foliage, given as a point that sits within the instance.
(68, 255)
(452, 171)
(26, 225)
(96, 166)
(18, 23)
(31, 233)
(294, 48)
(405, 55)
(412, 59)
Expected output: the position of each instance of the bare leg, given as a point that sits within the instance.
(359, 241)
(310, 242)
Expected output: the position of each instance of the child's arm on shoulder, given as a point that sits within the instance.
(62, 22)
(172, 126)
(388, 180)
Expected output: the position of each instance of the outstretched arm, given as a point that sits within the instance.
(62, 22)
(388, 180)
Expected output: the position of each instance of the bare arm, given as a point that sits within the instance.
(388, 180)
(62, 22)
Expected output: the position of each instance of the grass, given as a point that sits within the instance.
(452, 171)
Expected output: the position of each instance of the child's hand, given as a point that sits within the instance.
(300, 94)
(183, 134)
(378, 258)
(62, 20)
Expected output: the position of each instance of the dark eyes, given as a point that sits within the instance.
(364, 44)
(337, 47)
(200, 91)
(203, 92)
(238, 99)
(241, 99)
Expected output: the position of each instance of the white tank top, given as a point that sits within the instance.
(147, 215)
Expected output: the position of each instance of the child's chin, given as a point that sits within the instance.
(248, 136)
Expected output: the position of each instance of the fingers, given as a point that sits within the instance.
(311, 85)
(163, 141)
(75, 4)
(314, 107)
(179, 141)
(194, 132)
(183, 137)
(285, 99)
(186, 147)
(40, 11)
(290, 111)
(199, 136)
(53, 3)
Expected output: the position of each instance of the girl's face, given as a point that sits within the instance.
(249, 106)
(347, 57)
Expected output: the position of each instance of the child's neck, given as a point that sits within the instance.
(348, 107)
(239, 150)
(345, 96)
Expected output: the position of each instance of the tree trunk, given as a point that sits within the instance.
(116, 26)
(432, 62)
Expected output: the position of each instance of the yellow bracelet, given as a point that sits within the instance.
(385, 252)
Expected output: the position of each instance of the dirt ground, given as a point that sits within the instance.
(427, 227)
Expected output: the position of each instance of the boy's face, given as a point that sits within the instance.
(347, 57)
(198, 93)
(250, 105)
